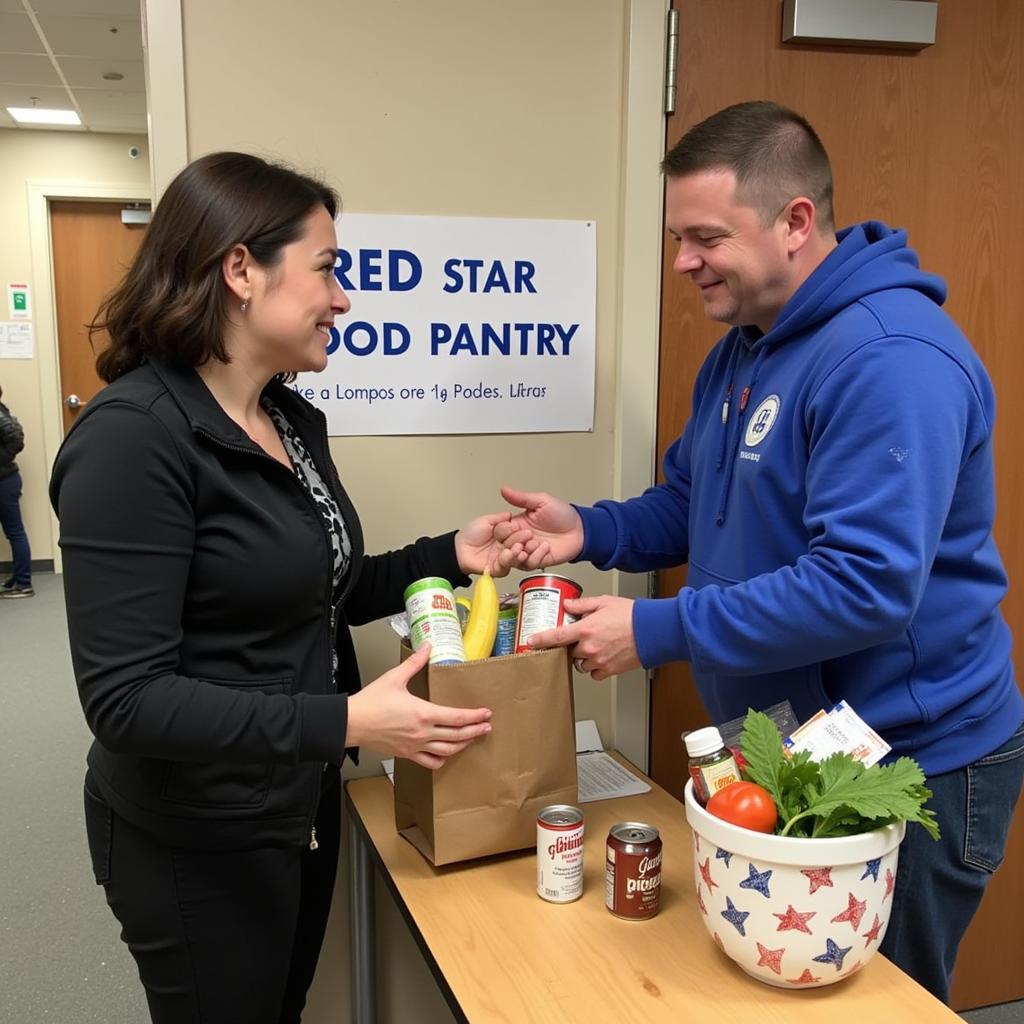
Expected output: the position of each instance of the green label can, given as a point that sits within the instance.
(430, 607)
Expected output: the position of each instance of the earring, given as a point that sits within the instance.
(245, 305)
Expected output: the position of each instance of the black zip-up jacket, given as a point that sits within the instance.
(12, 440)
(197, 576)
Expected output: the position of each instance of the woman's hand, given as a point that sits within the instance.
(548, 531)
(477, 548)
(386, 717)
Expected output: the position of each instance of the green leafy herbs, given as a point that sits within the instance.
(834, 797)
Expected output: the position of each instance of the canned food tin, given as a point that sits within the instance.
(430, 607)
(542, 600)
(508, 617)
(632, 881)
(560, 853)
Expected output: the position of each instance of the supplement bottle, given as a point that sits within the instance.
(712, 766)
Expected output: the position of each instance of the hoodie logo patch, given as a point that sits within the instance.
(762, 421)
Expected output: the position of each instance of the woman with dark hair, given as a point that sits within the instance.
(212, 567)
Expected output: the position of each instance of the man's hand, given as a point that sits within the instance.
(385, 716)
(547, 532)
(602, 640)
(477, 548)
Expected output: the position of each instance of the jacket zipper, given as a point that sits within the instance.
(331, 620)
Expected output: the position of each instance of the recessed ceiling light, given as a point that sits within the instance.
(40, 115)
(113, 76)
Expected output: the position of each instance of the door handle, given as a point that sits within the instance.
(73, 402)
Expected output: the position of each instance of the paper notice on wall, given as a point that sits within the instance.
(460, 326)
(16, 340)
(19, 302)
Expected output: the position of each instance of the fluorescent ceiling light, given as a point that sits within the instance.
(39, 115)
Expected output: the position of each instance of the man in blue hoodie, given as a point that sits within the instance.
(833, 495)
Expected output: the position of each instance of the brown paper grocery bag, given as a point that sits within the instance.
(486, 798)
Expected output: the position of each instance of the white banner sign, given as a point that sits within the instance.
(461, 326)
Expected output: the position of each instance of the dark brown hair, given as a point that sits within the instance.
(774, 152)
(173, 301)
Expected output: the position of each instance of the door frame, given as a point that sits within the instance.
(40, 193)
(639, 324)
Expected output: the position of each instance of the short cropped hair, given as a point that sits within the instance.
(774, 152)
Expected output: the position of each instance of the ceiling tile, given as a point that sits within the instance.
(47, 96)
(27, 70)
(92, 37)
(90, 8)
(94, 103)
(85, 73)
(120, 126)
(18, 35)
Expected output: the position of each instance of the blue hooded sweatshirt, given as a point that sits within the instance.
(833, 494)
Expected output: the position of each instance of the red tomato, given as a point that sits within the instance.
(745, 804)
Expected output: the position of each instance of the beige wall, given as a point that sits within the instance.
(79, 162)
(463, 108)
(453, 107)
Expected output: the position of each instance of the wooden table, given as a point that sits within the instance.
(501, 954)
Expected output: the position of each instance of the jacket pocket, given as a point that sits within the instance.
(99, 828)
(993, 787)
(219, 784)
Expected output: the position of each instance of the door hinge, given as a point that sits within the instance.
(671, 60)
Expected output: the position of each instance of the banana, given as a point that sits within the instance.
(482, 625)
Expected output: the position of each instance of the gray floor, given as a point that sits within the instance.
(1007, 1013)
(60, 956)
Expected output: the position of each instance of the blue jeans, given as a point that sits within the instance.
(14, 529)
(940, 884)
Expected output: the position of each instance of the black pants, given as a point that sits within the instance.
(226, 937)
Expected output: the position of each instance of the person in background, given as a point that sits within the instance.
(213, 564)
(12, 441)
(833, 494)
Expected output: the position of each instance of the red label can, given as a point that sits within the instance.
(560, 853)
(542, 598)
(632, 881)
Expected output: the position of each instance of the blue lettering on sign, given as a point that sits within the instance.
(522, 339)
(361, 338)
(463, 275)
(404, 270)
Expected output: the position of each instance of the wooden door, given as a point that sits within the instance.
(92, 249)
(929, 141)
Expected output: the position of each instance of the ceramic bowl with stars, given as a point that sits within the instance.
(796, 913)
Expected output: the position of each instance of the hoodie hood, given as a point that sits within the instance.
(869, 258)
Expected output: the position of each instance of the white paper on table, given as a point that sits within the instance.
(601, 777)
